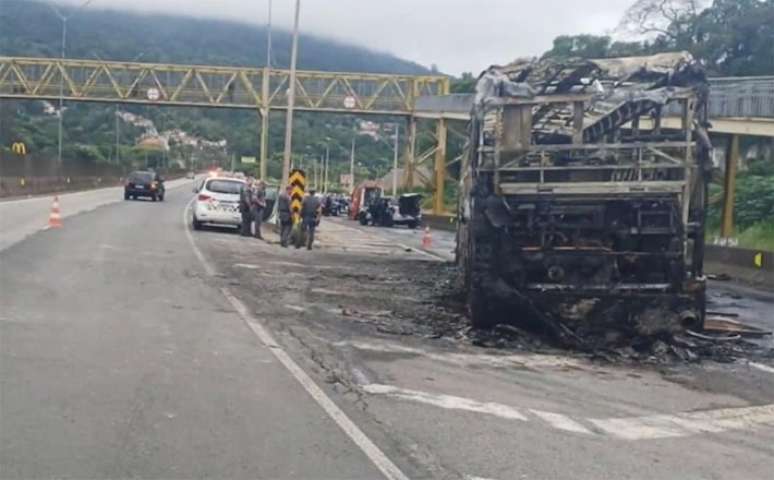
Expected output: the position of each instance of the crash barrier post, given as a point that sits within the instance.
(297, 182)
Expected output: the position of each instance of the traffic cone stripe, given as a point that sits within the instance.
(55, 219)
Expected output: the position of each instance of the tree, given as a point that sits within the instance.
(583, 46)
(672, 19)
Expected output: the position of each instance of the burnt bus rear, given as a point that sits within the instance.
(584, 196)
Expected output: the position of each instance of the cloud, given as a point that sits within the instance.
(456, 35)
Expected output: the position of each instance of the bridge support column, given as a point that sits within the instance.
(729, 184)
(264, 112)
(440, 166)
(410, 161)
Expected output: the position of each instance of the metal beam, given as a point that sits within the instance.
(211, 86)
(440, 167)
(729, 186)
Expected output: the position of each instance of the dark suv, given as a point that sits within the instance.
(144, 184)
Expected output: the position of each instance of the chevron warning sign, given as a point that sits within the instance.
(297, 181)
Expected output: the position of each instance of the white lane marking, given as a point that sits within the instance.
(369, 448)
(648, 427)
(448, 402)
(761, 367)
(689, 423)
(247, 266)
(561, 422)
(296, 308)
(535, 361)
(206, 264)
(473, 477)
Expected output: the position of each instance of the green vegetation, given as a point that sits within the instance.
(731, 37)
(753, 207)
(30, 28)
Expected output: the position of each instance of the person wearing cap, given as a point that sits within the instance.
(310, 216)
(285, 215)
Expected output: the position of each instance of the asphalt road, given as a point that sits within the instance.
(120, 358)
(131, 346)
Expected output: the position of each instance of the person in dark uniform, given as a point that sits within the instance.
(245, 208)
(310, 216)
(258, 204)
(285, 216)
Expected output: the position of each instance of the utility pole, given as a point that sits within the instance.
(395, 162)
(268, 38)
(64, 19)
(327, 167)
(118, 155)
(352, 165)
(291, 101)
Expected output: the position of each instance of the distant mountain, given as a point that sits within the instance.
(31, 28)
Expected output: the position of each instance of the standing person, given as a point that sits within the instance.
(310, 216)
(285, 215)
(258, 205)
(245, 208)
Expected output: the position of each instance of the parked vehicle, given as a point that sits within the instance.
(388, 212)
(217, 202)
(364, 195)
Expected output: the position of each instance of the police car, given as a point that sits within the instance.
(217, 201)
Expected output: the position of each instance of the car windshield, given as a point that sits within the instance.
(224, 186)
(144, 177)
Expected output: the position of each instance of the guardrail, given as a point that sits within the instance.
(18, 186)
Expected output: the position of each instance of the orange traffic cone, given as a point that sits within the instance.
(427, 239)
(55, 220)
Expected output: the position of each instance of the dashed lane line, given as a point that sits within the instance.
(449, 402)
(561, 422)
(761, 367)
(648, 427)
(366, 445)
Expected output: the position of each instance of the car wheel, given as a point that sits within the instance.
(154, 197)
(134, 197)
(412, 225)
(126, 196)
(196, 224)
(161, 197)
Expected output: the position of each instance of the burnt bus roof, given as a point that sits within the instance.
(608, 86)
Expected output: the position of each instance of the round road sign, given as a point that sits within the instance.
(349, 102)
(153, 94)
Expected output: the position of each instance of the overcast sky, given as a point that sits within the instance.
(456, 35)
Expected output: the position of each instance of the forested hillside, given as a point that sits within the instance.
(31, 28)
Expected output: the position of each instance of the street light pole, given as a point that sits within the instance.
(327, 167)
(291, 101)
(64, 19)
(395, 162)
(352, 165)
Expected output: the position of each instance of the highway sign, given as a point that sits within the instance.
(153, 94)
(349, 102)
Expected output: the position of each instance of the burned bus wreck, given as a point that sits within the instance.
(579, 212)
